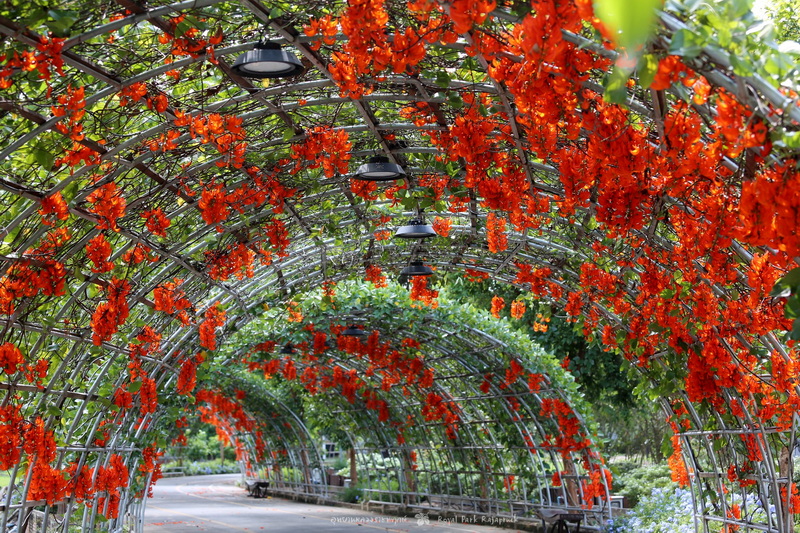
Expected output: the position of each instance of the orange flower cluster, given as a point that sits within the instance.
(468, 13)
(108, 204)
(187, 377)
(376, 277)
(98, 250)
(496, 236)
(156, 222)
(37, 272)
(45, 61)
(442, 226)
(436, 408)
(370, 50)
(295, 313)
(151, 466)
(139, 253)
(475, 276)
(570, 437)
(514, 371)
(110, 479)
(35, 373)
(326, 26)
(676, 464)
(421, 293)
(54, 205)
(498, 304)
(214, 318)
(112, 313)
(123, 399)
(236, 260)
(71, 106)
(148, 396)
(278, 235)
(517, 309)
(189, 43)
(169, 298)
(213, 204)
(132, 93)
(10, 358)
(10, 436)
(595, 487)
(368, 190)
(323, 147)
(223, 132)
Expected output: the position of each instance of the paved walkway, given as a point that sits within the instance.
(215, 503)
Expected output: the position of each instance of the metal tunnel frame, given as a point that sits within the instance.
(119, 115)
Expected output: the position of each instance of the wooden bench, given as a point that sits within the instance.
(256, 488)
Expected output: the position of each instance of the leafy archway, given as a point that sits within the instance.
(152, 196)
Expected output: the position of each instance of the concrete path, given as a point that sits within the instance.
(215, 503)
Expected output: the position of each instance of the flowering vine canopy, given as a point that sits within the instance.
(154, 201)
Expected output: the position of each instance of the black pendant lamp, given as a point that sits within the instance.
(379, 168)
(267, 60)
(415, 229)
(288, 349)
(416, 268)
(353, 331)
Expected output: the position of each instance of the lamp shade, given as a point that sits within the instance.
(288, 349)
(267, 60)
(416, 268)
(415, 229)
(379, 168)
(353, 331)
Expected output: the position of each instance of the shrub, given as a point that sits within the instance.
(666, 510)
(351, 495)
(641, 481)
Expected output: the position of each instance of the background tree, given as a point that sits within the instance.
(631, 424)
(784, 15)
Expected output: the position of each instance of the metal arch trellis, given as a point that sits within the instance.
(456, 352)
(275, 120)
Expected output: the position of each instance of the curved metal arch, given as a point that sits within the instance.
(296, 281)
(450, 350)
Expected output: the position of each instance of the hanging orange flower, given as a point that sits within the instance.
(498, 304)
(214, 318)
(10, 358)
(98, 250)
(108, 204)
(496, 233)
(112, 313)
(376, 277)
(156, 222)
(53, 207)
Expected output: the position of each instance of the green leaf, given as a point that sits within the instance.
(615, 84)
(43, 157)
(647, 69)
(442, 79)
(134, 387)
(741, 65)
(790, 280)
(795, 333)
(455, 101)
(62, 21)
(52, 410)
(686, 43)
(630, 22)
